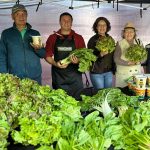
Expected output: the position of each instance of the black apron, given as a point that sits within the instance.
(69, 79)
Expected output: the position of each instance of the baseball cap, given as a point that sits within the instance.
(18, 7)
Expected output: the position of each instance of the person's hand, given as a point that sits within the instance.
(103, 53)
(137, 63)
(74, 59)
(36, 47)
(130, 63)
(60, 65)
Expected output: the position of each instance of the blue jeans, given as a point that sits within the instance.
(103, 80)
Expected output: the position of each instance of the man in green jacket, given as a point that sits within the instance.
(18, 55)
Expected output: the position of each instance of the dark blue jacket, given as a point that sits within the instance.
(17, 56)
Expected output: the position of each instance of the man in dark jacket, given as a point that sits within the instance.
(58, 46)
(18, 55)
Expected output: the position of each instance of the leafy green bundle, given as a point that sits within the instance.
(114, 97)
(136, 53)
(51, 120)
(86, 57)
(106, 44)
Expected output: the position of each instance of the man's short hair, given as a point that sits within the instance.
(18, 7)
(65, 14)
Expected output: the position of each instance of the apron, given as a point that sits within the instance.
(68, 79)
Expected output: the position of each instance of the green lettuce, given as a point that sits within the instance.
(106, 44)
(85, 56)
(136, 53)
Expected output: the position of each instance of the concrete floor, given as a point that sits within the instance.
(46, 20)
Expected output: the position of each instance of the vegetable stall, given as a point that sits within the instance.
(34, 115)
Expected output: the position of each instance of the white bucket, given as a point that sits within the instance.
(141, 82)
(37, 40)
(135, 76)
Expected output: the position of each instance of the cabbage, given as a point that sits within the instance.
(136, 53)
(106, 44)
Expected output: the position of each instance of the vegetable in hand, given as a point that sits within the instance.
(85, 56)
(106, 44)
(136, 53)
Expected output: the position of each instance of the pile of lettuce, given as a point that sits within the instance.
(38, 111)
(106, 44)
(125, 122)
(136, 53)
(85, 56)
(51, 120)
(115, 98)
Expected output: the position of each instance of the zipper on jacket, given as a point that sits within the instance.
(23, 43)
(25, 63)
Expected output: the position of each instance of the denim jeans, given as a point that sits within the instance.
(103, 80)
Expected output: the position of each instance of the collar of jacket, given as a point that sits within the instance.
(58, 33)
(97, 35)
(27, 24)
